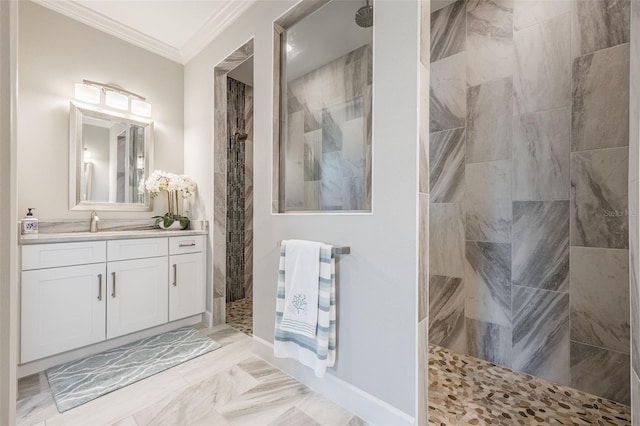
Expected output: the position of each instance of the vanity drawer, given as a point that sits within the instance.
(39, 256)
(137, 248)
(186, 244)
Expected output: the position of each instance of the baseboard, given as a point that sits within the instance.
(363, 404)
(38, 365)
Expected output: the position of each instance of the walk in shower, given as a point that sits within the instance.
(529, 210)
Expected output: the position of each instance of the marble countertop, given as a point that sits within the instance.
(69, 237)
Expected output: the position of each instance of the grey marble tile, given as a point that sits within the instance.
(312, 155)
(541, 149)
(541, 333)
(489, 46)
(531, 12)
(331, 192)
(353, 147)
(446, 312)
(600, 372)
(446, 240)
(312, 195)
(294, 162)
(488, 201)
(352, 193)
(489, 121)
(599, 198)
(447, 157)
(600, 297)
(488, 341)
(542, 67)
(487, 281)
(448, 93)
(541, 245)
(600, 113)
(448, 30)
(598, 24)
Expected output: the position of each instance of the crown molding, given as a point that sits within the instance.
(213, 28)
(210, 30)
(96, 20)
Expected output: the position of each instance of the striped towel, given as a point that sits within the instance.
(301, 283)
(319, 352)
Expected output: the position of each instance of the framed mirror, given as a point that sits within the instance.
(110, 154)
(324, 70)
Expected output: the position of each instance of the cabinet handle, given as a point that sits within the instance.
(99, 286)
(187, 245)
(113, 291)
(175, 275)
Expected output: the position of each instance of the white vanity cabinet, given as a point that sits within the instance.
(75, 294)
(186, 289)
(62, 309)
(137, 296)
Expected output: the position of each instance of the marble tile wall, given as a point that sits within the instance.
(529, 159)
(328, 144)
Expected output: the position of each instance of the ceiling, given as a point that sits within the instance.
(175, 29)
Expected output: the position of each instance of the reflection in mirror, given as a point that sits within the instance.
(110, 157)
(325, 135)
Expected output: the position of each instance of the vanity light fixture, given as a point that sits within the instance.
(86, 93)
(116, 100)
(114, 97)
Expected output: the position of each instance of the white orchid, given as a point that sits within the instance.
(174, 184)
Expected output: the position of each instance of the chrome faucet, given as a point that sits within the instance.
(93, 227)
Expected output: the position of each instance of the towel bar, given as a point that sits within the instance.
(336, 250)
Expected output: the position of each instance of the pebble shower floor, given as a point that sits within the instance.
(468, 391)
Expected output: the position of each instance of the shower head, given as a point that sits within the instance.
(364, 16)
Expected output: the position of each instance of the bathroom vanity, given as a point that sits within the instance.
(81, 289)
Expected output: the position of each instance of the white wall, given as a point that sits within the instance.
(8, 230)
(377, 281)
(55, 52)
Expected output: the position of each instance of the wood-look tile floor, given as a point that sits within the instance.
(229, 386)
(468, 391)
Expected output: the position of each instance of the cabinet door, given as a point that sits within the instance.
(186, 290)
(137, 296)
(62, 309)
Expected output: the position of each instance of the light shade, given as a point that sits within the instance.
(86, 93)
(139, 107)
(116, 100)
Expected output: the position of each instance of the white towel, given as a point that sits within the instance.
(318, 352)
(302, 280)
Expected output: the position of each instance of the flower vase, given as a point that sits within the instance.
(175, 226)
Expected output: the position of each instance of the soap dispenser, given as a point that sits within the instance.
(29, 224)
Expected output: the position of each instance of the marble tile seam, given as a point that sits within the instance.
(598, 248)
(537, 289)
(528, 114)
(600, 149)
(537, 23)
(601, 50)
(598, 347)
(447, 130)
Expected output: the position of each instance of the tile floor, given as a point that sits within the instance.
(229, 386)
(468, 391)
(240, 315)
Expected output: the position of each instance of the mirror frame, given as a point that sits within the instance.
(76, 111)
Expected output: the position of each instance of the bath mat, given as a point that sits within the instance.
(83, 380)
